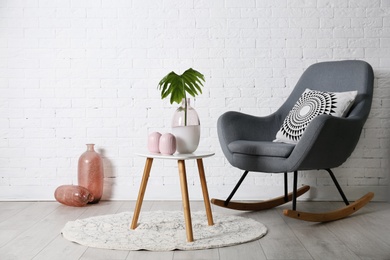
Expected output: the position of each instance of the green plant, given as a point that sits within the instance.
(177, 86)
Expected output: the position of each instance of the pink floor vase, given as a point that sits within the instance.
(90, 172)
(73, 195)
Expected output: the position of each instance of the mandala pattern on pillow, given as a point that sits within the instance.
(311, 104)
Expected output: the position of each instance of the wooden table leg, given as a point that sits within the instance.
(206, 198)
(186, 202)
(141, 193)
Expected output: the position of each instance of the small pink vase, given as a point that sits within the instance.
(73, 195)
(90, 172)
(167, 144)
(153, 142)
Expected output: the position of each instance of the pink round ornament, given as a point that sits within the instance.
(154, 142)
(167, 144)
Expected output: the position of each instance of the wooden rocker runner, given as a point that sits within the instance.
(292, 196)
(316, 128)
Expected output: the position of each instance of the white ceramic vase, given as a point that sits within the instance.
(186, 128)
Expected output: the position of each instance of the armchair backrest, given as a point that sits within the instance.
(337, 76)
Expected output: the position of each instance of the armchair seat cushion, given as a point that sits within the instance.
(261, 148)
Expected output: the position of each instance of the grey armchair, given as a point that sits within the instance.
(328, 141)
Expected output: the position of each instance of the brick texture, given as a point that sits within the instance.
(81, 71)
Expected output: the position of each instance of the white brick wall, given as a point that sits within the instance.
(85, 71)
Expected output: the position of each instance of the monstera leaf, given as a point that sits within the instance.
(178, 85)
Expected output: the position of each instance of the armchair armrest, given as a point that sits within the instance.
(233, 126)
(327, 142)
(239, 126)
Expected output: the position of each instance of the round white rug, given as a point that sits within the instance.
(162, 231)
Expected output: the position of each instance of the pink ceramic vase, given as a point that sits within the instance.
(167, 144)
(73, 195)
(90, 172)
(153, 142)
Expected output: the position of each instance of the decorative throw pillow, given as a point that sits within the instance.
(311, 104)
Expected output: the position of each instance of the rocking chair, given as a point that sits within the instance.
(315, 137)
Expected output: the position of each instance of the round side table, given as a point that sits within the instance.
(198, 156)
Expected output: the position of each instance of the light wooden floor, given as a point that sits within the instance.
(31, 230)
